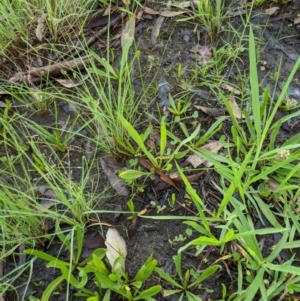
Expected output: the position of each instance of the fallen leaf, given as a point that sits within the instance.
(272, 10)
(170, 14)
(297, 21)
(71, 82)
(128, 31)
(191, 178)
(203, 54)
(126, 2)
(272, 185)
(163, 92)
(162, 176)
(230, 89)
(117, 183)
(46, 204)
(156, 29)
(134, 225)
(40, 29)
(2, 104)
(115, 248)
(186, 4)
(196, 160)
(150, 11)
(214, 112)
(235, 109)
(101, 20)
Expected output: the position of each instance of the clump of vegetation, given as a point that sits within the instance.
(67, 109)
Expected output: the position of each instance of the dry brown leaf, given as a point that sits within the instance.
(272, 10)
(115, 248)
(235, 109)
(214, 112)
(134, 225)
(150, 11)
(272, 185)
(128, 31)
(71, 82)
(186, 4)
(170, 14)
(126, 2)
(117, 183)
(196, 160)
(203, 54)
(2, 104)
(297, 21)
(40, 29)
(191, 178)
(156, 28)
(230, 89)
(162, 176)
(46, 204)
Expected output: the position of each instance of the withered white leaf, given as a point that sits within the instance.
(235, 109)
(150, 11)
(195, 160)
(156, 29)
(170, 14)
(115, 248)
(71, 82)
(128, 32)
(272, 185)
(272, 10)
(185, 4)
(117, 183)
(40, 29)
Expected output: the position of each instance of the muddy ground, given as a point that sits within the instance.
(278, 47)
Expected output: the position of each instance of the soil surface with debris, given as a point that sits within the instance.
(178, 42)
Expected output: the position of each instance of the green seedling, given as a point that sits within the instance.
(179, 108)
(66, 267)
(159, 208)
(181, 237)
(112, 279)
(188, 283)
(131, 207)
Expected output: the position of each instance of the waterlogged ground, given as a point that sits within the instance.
(177, 42)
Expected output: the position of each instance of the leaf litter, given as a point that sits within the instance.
(115, 248)
(117, 183)
(196, 160)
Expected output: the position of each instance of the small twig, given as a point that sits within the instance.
(50, 70)
(75, 52)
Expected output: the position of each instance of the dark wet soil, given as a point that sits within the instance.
(278, 44)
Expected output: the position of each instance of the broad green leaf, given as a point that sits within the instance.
(79, 235)
(167, 293)
(132, 174)
(205, 274)
(146, 270)
(255, 285)
(195, 197)
(52, 287)
(163, 137)
(106, 296)
(283, 268)
(167, 277)
(197, 227)
(152, 291)
(177, 261)
(137, 138)
(40, 254)
(254, 83)
(193, 297)
(100, 265)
